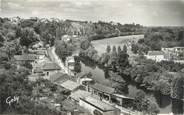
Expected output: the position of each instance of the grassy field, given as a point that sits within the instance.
(101, 45)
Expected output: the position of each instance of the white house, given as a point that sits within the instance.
(174, 53)
(70, 63)
(155, 55)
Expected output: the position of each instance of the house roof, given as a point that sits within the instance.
(50, 66)
(99, 104)
(103, 88)
(79, 94)
(70, 59)
(25, 57)
(152, 53)
(38, 70)
(70, 85)
(123, 96)
(40, 52)
(3, 53)
(59, 77)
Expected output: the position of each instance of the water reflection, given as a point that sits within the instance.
(177, 106)
(162, 100)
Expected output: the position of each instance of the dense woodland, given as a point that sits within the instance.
(158, 37)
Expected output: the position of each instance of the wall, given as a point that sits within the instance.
(156, 58)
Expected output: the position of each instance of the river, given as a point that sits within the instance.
(165, 103)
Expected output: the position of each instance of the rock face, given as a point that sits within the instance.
(96, 30)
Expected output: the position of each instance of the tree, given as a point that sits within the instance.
(114, 49)
(48, 38)
(119, 49)
(135, 48)
(125, 49)
(85, 44)
(113, 58)
(63, 49)
(142, 103)
(1, 40)
(178, 88)
(108, 49)
(123, 60)
(181, 37)
(104, 58)
(28, 36)
(12, 84)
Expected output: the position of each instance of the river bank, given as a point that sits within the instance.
(100, 45)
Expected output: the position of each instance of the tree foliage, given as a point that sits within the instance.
(28, 36)
(108, 49)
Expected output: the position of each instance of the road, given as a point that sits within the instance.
(55, 58)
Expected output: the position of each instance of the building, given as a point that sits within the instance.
(71, 85)
(174, 53)
(33, 77)
(59, 78)
(25, 58)
(75, 96)
(70, 63)
(155, 55)
(97, 107)
(122, 100)
(3, 55)
(104, 92)
(37, 70)
(41, 54)
(66, 38)
(38, 45)
(50, 68)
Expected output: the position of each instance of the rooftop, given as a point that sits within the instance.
(40, 52)
(70, 85)
(99, 104)
(103, 88)
(59, 77)
(50, 66)
(25, 57)
(38, 70)
(152, 53)
(79, 94)
(122, 96)
(70, 59)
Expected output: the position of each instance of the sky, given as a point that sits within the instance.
(145, 12)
